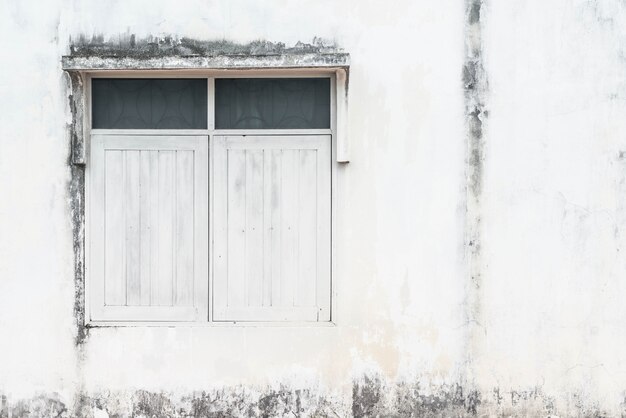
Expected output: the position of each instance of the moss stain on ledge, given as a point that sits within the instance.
(127, 45)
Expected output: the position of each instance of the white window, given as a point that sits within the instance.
(209, 199)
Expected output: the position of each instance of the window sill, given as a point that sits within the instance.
(214, 324)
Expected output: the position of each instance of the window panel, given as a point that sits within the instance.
(150, 206)
(140, 103)
(271, 242)
(270, 198)
(272, 103)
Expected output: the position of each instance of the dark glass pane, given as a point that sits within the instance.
(272, 103)
(141, 103)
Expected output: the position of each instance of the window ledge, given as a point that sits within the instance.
(214, 324)
(286, 61)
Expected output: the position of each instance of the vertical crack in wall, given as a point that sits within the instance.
(475, 90)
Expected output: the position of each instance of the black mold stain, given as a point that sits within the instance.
(77, 210)
(234, 402)
(366, 397)
(151, 47)
(76, 197)
(83, 406)
(371, 397)
(410, 400)
(474, 12)
(4, 406)
(152, 404)
(39, 406)
(76, 192)
(77, 143)
(279, 403)
(469, 75)
(446, 400)
(475, 86)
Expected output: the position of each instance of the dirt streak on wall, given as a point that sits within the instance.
(475, 89)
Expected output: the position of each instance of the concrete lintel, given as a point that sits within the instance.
(220, 62)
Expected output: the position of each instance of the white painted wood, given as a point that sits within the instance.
(132, 227)
(289, 227)
(148, 133)
(201, 230)
(211, 102)
(211, 324)
(324, 246)
(97, 230)
(236, 225)
(162, 288)
(264, 132)
(341, 116)
(153, 224)
(260, 314)
(308, 72)
(220, 229)
(184, 229)
(147, 197)
(114, 234)
(268, 192)
(143, 141)
(305, 289)
(275, 215)
(254, 228)
(149, 259)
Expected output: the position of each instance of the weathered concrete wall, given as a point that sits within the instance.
(479, 226)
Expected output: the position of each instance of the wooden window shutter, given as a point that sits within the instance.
(148, 228)
(271, 228)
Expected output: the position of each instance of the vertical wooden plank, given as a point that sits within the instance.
(114, 280)
(275, 248)
(162, 285)
(324, 228)
(132, 228)
(96, 216)
(266, 287)
(289, 225)
(154, 224)
(236, 215)
(201, 255)
(219, 182)
(307, 229)
(145, 240)
(184, 228)
(254, 227)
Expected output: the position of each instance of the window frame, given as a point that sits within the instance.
(337, 105)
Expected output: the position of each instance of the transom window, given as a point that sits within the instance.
(210, 199)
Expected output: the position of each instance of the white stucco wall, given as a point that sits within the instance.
(549, 332)
(554, 200)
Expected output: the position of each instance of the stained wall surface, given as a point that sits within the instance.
(479, 225)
